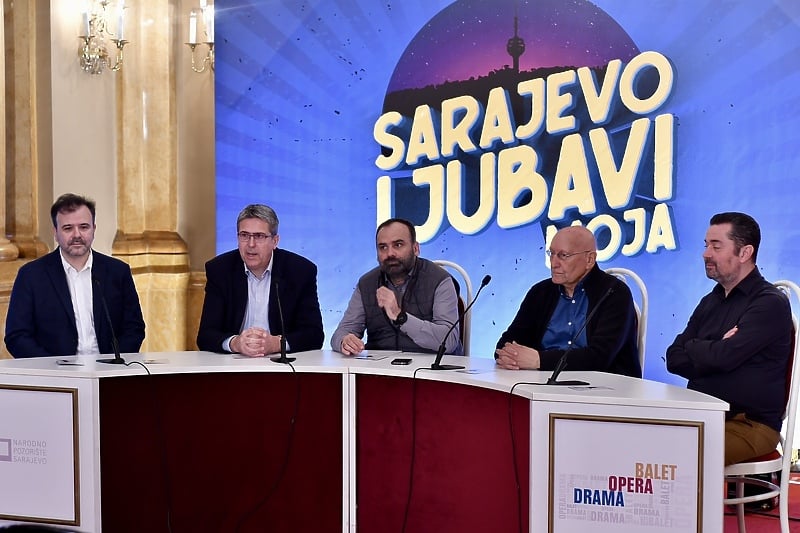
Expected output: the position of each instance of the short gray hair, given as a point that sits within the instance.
(261, 212)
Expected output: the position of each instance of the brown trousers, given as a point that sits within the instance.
(745, 439)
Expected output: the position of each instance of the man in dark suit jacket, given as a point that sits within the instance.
(56, 305)
(240, 310)
(554, 310)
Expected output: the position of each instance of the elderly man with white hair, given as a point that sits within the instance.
(552, 318)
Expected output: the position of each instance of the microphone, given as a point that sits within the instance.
(437, 363)
(562, 362)
(118, 360)
(282, 358)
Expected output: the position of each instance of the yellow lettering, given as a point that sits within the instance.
(571, 187)
(558, 102)
(615, 235)
(457, 133)
(464, 224)
(383, 190)
(433, 177)
(639, 218)
(422, 139)
(599, 103)
(535, 89)
(618, 183)
(627, 82)
(380, 132)
(663, 158)
(517, 173)
(662, 234)
(497, 124)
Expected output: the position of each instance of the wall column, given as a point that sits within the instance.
(21, 68)
(20, 140)
(147, 200)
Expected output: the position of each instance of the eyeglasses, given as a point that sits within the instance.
(245, 236)
(563, 256)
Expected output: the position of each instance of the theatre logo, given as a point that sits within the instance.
(515, 113)
(5, 450)
(23, 451)
(642, 497)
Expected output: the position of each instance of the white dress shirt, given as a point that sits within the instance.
(257, 311)
(80, 292)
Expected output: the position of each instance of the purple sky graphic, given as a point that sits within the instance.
(468, 39)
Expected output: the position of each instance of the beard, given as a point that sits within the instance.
(76, 247)
(711, 270)
(398, 266)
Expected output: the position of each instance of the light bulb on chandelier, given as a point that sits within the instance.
(205, 23)
(100, 47)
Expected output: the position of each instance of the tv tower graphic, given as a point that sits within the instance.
(516, 45)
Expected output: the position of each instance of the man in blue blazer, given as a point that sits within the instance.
(245, 287)
(58, 301)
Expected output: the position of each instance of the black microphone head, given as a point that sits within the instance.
(486, 279)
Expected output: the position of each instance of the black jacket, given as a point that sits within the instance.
(226, 301)
(611, 333)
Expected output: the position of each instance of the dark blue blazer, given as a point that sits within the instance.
(41, 321)
(225, 302)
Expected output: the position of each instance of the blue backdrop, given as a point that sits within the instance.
(338, 113)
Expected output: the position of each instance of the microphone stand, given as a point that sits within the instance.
(282, 358)
(562, 362)
(117, 360)
(437, 363)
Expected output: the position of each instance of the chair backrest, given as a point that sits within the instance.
(792, 291)
(465, 319)
(631, 278)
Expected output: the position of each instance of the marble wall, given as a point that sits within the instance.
(140, 142)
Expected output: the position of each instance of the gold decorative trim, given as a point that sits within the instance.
(160, 269)
(8, 250)
(554, 417)
(75, 458)
(29, 248)
(149, 242)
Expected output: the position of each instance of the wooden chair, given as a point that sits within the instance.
(776, 462)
